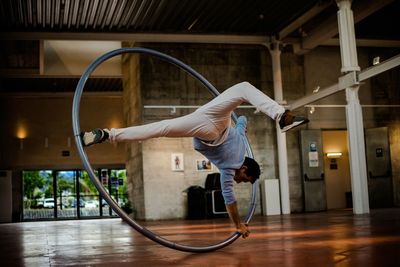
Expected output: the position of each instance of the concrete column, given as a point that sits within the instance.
(355, 126)
(132, 106)
(281, 137)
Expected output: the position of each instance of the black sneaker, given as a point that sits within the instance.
(289, 121)
(94, 137)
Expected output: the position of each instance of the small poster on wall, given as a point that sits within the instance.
(313, 156)
(177, 162)
(203, 165)
(313, 159)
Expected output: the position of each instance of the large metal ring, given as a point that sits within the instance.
(76, 128)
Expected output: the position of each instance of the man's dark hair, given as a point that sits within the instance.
(253, 169)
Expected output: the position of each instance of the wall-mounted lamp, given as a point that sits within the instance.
(22, 133)
(312, 110)
(46, 142)
(376, 61)
(334, 155)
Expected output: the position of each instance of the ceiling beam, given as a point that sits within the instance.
(366, 42)
(4, 73)
(329, 28)
(60, 94)
(347, 80)
(140, 37)
(311, 13)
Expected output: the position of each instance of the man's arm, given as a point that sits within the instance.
(230, 201)
(233, 212)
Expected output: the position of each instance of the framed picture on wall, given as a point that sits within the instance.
(177, 162)
(203, 165)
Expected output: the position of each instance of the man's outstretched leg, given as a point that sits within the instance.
(242, 92)
(207, 123)
(195, 124)
(250, 94)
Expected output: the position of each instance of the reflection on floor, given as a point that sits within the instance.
(45, 214)
(335, 238)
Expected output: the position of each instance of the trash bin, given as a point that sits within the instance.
(196, 203)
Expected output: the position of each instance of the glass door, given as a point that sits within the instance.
(114, 181)
(89, 196)
(119, 190)
(66, 200)
(38, 200)
(106, 182)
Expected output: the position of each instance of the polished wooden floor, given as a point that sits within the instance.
(335, 238)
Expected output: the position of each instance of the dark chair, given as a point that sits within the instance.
(215, 204)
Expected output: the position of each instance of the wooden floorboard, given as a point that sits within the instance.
(334, 238)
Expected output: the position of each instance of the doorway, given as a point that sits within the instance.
(335, 180)
(337, 169)
(380, 183)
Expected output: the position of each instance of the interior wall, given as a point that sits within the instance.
(293, 80)
(46, 121)
(50, 117)
(36, 131)
(132, 106)
(5, 197)
(386, 92)
(165, 84)
(223, 66)
(337, 170)
(394, 139)
(322, 69)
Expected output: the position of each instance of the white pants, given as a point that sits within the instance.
(208, 122)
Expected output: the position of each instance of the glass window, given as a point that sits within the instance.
(89, 196)
(52, 194)
(38, 195)
(119, 190)
(66, 194)
(105, 181)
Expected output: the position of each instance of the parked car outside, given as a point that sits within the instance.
(39, 203)
(48, 203)
(91, 204)
(81, 203)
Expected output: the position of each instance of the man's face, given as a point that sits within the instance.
(241, 176)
